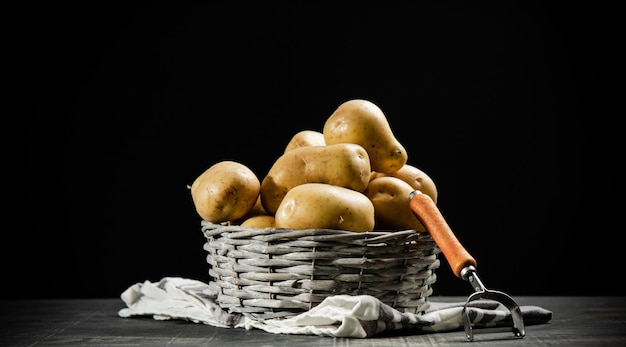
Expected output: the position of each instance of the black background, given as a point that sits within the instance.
(506, 105)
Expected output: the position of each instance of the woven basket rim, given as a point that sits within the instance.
(326, 230)
(371, 236)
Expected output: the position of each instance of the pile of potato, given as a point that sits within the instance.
(353, 175)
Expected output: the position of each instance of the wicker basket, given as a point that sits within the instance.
(271, 272)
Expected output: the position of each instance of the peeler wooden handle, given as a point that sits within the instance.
(431, 218)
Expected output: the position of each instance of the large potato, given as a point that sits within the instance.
(415, 177)
(390, 197)
(364, 123)
(306, 138)
(343, 164)
(325, 206)
(226, 191)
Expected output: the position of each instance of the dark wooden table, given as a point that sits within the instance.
(576, 321)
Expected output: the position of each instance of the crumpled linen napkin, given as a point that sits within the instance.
(337, 316)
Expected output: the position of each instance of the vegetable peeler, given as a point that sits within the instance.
(462, 263)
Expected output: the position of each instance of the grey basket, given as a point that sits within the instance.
(277, 272)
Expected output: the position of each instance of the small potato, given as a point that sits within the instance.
(260, 221)
(306, 138)
(226, 191)
(325, 206)
(256, 210)
(343, 164)
(390, 197)
(415, 177)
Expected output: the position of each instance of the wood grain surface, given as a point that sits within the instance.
(577, 321)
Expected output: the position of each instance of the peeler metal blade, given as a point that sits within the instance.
(481, 292)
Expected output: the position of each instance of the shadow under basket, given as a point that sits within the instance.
(277, 272)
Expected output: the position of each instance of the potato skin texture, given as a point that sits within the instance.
(416, 178)
(256, 210)
(363, 122)
(260, 221)
(390, 197)
(343, 164)
(225, 191)
(325, 206)
(306, 138)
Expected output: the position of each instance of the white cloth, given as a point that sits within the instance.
(337, 316)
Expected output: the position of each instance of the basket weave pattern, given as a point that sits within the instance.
(271, 272)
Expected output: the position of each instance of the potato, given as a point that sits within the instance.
(260, 221)
(364, 123)
(415, 177)
(226, 191)
(306, 138)
(256, 210)
(343, 164)
(325, 206)
(390, 197)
